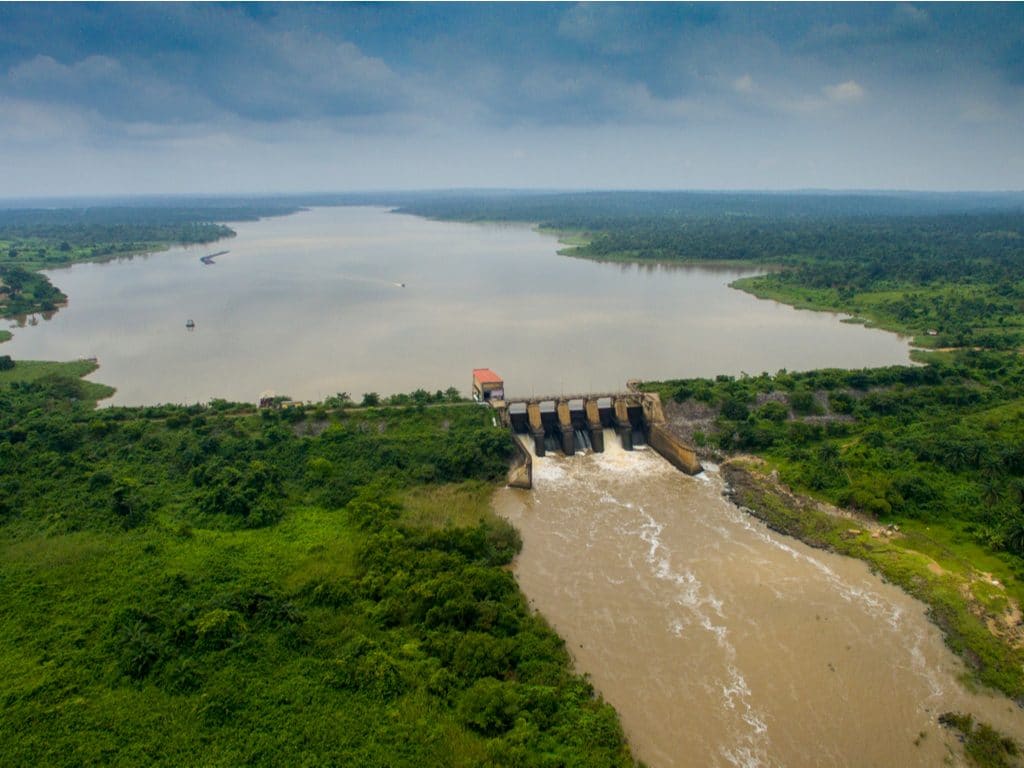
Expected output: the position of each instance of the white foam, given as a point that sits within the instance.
(924, 670)
(736, 692)
(742, 757)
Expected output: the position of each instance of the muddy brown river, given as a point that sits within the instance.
(723, 643)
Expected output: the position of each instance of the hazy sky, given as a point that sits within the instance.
(150, 98)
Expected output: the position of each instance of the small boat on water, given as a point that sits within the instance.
(208, 260)
(190, 324)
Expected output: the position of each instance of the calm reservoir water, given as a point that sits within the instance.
(311, 304)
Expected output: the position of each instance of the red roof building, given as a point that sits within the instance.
(487, 385)
(486, 376)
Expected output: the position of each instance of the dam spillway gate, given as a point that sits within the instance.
(571, 423)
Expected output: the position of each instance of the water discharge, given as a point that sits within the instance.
(721, 642)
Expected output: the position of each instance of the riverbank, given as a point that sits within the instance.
(30, 292)
(35, 240)
(940, 315)
(865, 309)
(576, 242)
(980, 621)
(876, 464)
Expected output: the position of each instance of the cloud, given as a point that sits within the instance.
(103, 85)
(299, 74)
(844, 93)
(389, 88)
(623, 29)
(45, 70)
(743, 84)
(870, 26)
(906, 15)
(28, 123)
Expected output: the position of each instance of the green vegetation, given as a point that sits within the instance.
(200, 585)
(982, 743)
(325, 584)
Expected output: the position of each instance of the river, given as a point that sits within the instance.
(313, 304)
(722, 643)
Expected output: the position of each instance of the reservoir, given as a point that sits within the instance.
(360, 299)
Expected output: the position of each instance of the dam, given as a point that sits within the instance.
(577, 422)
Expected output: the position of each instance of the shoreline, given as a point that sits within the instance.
(968, 626)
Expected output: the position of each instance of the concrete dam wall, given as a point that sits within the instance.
(577, 422)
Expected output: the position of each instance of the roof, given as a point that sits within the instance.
(486, 376)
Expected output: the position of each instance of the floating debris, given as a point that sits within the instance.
(190, 324)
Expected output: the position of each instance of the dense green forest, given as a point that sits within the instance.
(614, 211)
(202, 585)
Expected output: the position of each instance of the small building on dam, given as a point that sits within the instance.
(487, 385)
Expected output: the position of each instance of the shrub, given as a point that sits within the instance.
(489, 706)
(219, 629)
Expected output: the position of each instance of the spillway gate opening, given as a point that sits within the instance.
(570, 423)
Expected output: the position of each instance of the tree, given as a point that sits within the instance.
(339, 400)
(370, 400)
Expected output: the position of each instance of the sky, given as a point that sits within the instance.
(152, 98)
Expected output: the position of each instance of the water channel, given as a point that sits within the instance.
(719, 642)
(722, 643)
(313, 304)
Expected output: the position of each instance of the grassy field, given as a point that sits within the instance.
(29, 371)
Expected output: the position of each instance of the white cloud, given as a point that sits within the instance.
(744, 84)
(844, 93)
(46, 69)
(609, 28)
